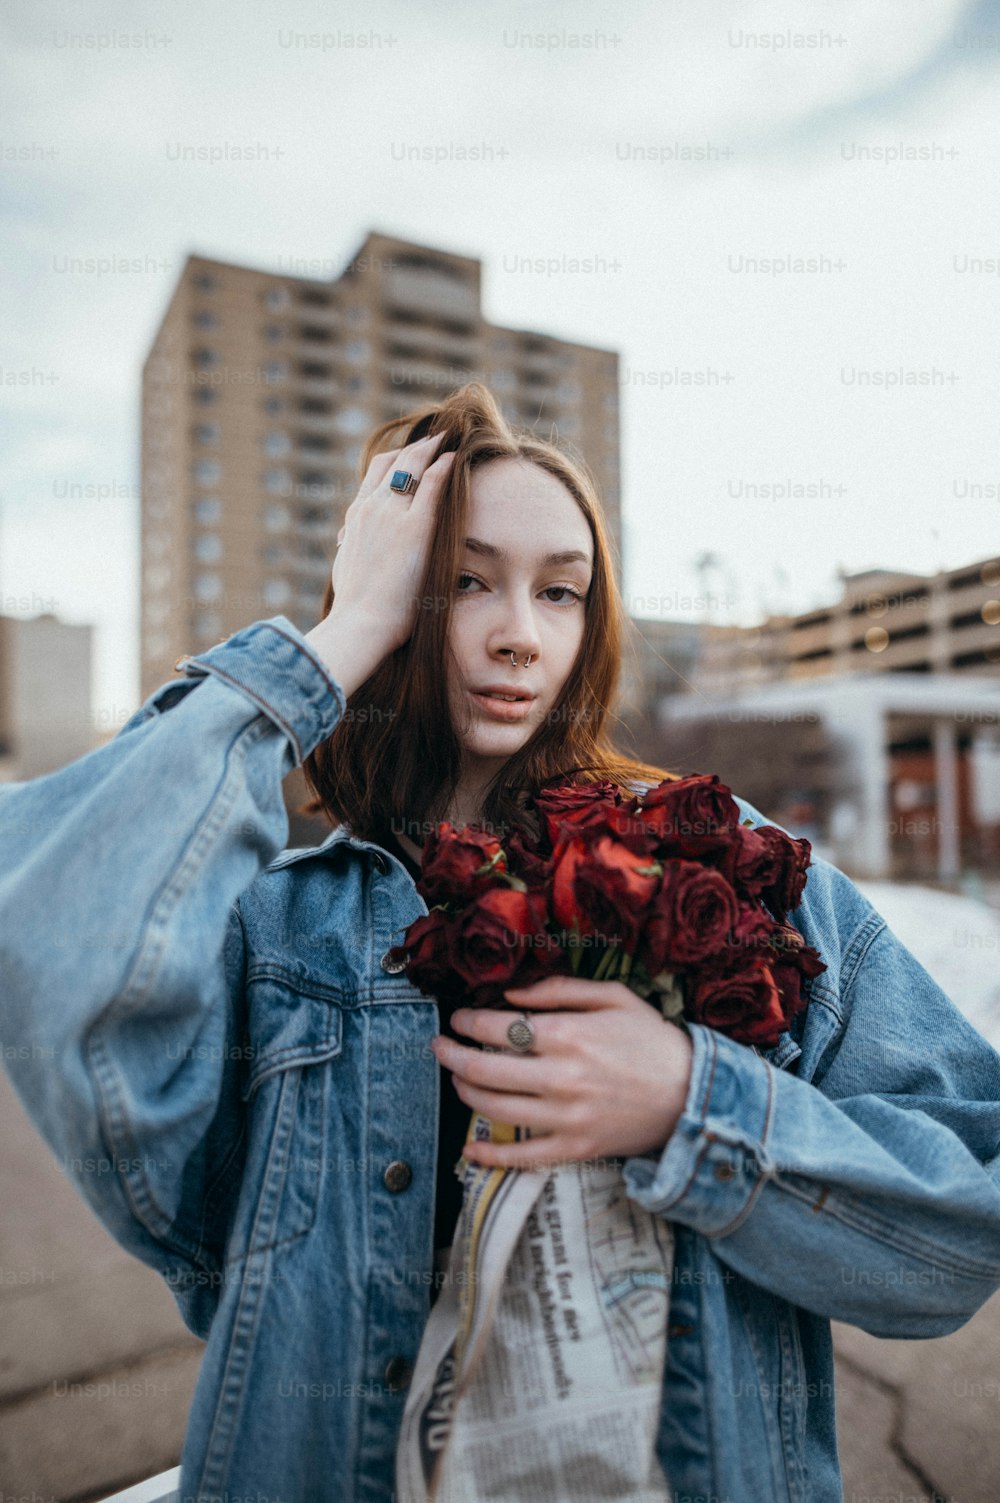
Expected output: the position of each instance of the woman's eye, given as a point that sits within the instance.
(570, 596)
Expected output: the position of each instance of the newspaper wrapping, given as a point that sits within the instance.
(539, 1376)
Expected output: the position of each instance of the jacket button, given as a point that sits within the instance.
(397, 1175)
(392, 966)
(724, 1171)
(398, 1372)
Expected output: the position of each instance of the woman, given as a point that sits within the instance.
(248, 1090)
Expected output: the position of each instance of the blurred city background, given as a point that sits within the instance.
(744, 260)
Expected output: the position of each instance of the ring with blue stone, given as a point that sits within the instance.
(402, 482)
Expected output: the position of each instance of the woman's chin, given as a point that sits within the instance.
(495, 740)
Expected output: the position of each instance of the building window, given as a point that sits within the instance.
(276, 443)
(276, 591)
(277, 482)
(208, 626)
(208, 472)
(277, 518)
(313, 483)
(357, 350)
(208, 510)
(205, 395)
(207, 586)
(357, 313)
(208, 548)
(314, 296)
(205, 281)
(276, 298)
(315, 370)
(204, 356)
(273, 405)
(273, 333)
(206, 319)
(273, 553)
(207, 433)
(276, 370)
(351, 420)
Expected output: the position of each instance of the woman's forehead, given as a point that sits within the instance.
(513, 498)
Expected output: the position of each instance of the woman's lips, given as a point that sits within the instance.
(502, 709)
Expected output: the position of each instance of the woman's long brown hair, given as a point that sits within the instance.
(393, 761)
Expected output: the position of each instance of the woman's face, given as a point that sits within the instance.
(512, 599)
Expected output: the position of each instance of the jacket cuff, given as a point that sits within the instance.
(716, 1160)
(273, 665)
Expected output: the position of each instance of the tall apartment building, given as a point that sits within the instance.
(885, 621)
(258, 393)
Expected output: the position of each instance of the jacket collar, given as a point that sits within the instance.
(341, 836)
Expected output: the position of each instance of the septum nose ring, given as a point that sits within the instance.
(513, 660)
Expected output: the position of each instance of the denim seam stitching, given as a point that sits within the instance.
(748, 1205)
(860, 943)
(110, 1096)
(269, 710)
(334, 687)
(920, 1247)
(232, 1388)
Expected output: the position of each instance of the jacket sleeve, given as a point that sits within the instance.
(871, 1193)
(121, 949)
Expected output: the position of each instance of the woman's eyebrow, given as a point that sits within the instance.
(567, 556)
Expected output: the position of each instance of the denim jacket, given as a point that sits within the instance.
(240, 1084)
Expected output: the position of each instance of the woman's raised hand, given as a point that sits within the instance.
(380, 563)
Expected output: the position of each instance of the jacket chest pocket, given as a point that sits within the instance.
(292, 1035)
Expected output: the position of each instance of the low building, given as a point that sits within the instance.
(46, 718)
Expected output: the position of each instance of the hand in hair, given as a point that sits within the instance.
(380, 563)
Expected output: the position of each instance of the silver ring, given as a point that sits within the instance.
(402, 482)
(521, 1035)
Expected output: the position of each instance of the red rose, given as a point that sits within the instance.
(749, 935)
(566, 910)
(458, 864)
(691, 914)
(695, 817)
(746, 1006)
(428, 963)
(525, 860)
(772, 866)
(491, 937)
(603, 888)
(574, 803)
(793, 961)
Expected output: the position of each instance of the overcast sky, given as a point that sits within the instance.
(800, 199)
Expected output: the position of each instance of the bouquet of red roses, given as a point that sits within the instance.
(666, 891)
